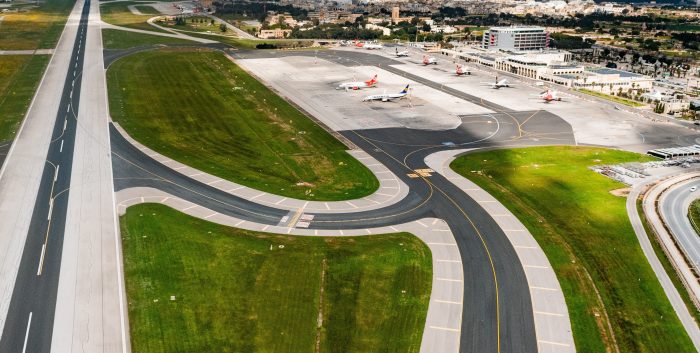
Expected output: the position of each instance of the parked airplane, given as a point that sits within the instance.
(358, 84)
(427, 60)
(498, 84)
(550, 96)
(385, 97)
(401, 53)
(370, 46)
(461, 71)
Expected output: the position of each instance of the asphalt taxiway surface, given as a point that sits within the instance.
(30, 318)
(491, 317)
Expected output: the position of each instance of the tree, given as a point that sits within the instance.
(222, 27)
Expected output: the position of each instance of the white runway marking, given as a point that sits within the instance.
(445, 328)
(447, 302)
(553, 343)
(26, 335)
(41, 260)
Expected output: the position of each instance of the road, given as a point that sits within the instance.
(30, 318)
(658, 184)
(674, 205)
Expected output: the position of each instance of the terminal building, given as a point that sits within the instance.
(516, 38)
(555, 66)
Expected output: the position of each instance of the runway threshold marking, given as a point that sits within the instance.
(26, 335)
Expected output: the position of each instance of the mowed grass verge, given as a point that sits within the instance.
(117, 39)
(118, 14)
(198, 107)
(242, 291)
(19, 78)
(694, 215)
(623, 101)
(588, 239)
(38, 28)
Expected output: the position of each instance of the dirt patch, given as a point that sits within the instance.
(621, 192)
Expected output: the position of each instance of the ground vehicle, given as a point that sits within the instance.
(693, 188)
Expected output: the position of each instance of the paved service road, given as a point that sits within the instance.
(29, 323)
(674, 205)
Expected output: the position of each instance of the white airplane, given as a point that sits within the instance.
(498, 84)
(550, 96)
(461, 71)
(401, 53)
(386, 97)
(427, 60)
(358, 84)
(371, 46)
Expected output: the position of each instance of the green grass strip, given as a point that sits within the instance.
(623, 101)
(118, 14)
(38, 28)
(199, 108)
(243, 291)
(19, 78)
(588, 239)
(116, 39)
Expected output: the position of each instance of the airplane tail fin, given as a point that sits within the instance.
(405, 90)
(372, 81)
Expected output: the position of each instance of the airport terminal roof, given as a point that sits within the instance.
(609, 71)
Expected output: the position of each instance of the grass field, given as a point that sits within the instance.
(244, 43)
(585, 232)
(39, 28)
(198, 24)
(118, 14)
(148, 10)
(241, 291)
(19, 78)
(624, 101)
(199, 108)
(116, 39)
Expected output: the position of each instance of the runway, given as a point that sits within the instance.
(30, 319)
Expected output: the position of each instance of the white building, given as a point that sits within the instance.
(385, 31)
(555, 66)
(516, 38)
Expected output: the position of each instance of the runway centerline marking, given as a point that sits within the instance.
(26, 335)
(41, 260)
